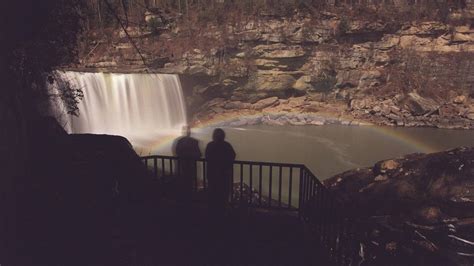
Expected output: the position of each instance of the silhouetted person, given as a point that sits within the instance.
(220, 158)
(187, 149)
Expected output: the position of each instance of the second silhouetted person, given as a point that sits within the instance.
(220, 157)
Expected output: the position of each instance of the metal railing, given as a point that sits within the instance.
(255, 184)
(282, 186)
(330, 221)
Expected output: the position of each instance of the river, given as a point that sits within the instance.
(326, 150)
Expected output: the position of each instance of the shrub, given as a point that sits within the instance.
(324, 83)
(343, 26)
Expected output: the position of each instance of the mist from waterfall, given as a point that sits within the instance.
(140, 107)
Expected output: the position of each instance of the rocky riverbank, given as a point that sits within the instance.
(420, 208)
(303, 110)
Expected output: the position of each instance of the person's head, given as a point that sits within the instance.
(218, 135)
(186, 131)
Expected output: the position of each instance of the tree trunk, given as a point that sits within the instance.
(100, 16)
(125, 11)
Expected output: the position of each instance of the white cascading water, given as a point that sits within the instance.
(140, 107)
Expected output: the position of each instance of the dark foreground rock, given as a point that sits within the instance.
(82, 194)
(420, 208)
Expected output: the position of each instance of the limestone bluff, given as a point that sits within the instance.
(351, 65)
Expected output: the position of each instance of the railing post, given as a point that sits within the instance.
(171, 167)
(279, 186)
(290, 186)
(300, 194)
(204, 177)
(195, 176)
(260, 187)
(241, 198)
(251, 183)
(162, 169)
(232, 186)
(270, 187)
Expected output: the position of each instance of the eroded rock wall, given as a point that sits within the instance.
(390, 72)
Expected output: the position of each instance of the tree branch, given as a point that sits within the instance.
(111, 9)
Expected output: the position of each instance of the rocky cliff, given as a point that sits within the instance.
(332, 66)
(419, 208)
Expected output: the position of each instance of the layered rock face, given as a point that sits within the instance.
(381, 71)
(420, 208)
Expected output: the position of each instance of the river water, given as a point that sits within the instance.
(325, 150)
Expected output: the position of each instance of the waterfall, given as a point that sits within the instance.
(137, 106)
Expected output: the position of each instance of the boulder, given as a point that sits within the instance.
(359, 104)
(237, 105)
(313, 107)
(317, 122)
(419, 105)
(303, 84)
(316, 96)
(385, 166)
(297, 102)
(265, 103)
(198, 70)
(459, 99)
(470, 113)
(255, 97)
(449, 110)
